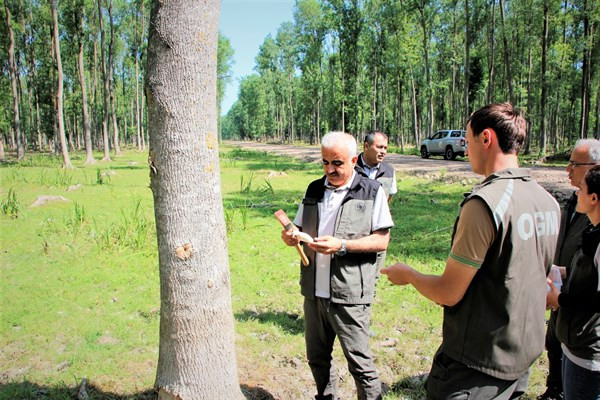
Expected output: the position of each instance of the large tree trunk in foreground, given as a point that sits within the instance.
(197, 352)
(59, 91)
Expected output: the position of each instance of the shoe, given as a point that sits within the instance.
(551, 394)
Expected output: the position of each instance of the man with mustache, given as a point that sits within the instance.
(349, 218)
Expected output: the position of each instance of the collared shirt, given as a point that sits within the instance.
(372, 174)
(328, 209)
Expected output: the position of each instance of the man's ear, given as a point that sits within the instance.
(594, 198)
(488, 135)
(354, 160)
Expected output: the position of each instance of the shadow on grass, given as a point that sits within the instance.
(255, 393)
(30, 391)
(288, 322)
(26, 390)
(411, 387)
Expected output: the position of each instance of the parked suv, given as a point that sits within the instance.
(450, 143)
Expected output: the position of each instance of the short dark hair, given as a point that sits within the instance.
(508, 123)
(370, 137)
(592, 180)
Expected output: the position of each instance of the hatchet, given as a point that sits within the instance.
(288, 226)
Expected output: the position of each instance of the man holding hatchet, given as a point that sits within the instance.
(349, 218)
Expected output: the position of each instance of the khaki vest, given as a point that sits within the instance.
(354, 275)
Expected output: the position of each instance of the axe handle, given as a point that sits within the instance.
(282, 218)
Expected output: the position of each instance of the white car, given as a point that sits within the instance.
(449, 143)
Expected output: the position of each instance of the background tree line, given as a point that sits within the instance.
(73, 76)
(410, 67)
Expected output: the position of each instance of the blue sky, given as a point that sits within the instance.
(246, 23)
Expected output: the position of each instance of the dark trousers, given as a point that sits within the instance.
(450, 379)
(351, 324)
(554, 380)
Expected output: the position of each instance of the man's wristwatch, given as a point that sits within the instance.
(342, 250)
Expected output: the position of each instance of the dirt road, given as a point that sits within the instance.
(554, 179)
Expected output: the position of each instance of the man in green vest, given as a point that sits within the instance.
(493, 288)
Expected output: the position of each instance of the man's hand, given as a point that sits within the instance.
(326, 244)
(398, 274)
(552, 296)
(288, 239)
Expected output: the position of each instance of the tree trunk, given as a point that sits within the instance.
(13, 81)
(59, 91)
(490, 89)
(511, 95)
(429, 89)
(529, 106)
(142, 121)
(415, 114)
(197, 352)
(467, 62)
(585, 73)
(543, 99)
(111, 82)
(106, 156)
(89, 157)
(137, 87)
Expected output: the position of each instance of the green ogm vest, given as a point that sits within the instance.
(498, 326)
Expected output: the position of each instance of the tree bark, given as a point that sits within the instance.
(585, 73)
(529, 106)
(543, 98)
(59, 91)
(89, 157)
(511, 95)
(13, 82)
(467, 63)
(490, 88)
(415, 113)
(137, 84)
(111, 81)
(106, 143)
(429, 89)
(197, 353)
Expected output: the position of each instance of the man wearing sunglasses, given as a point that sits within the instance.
(585, 155)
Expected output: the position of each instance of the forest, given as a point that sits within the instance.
(73, 76)
(411, 67)
(74, 72)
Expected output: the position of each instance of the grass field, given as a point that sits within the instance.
(79, 290)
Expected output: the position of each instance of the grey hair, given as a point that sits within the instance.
(370, 137)
(340, 138)
(593, 146)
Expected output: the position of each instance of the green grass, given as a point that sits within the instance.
(79, 289)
